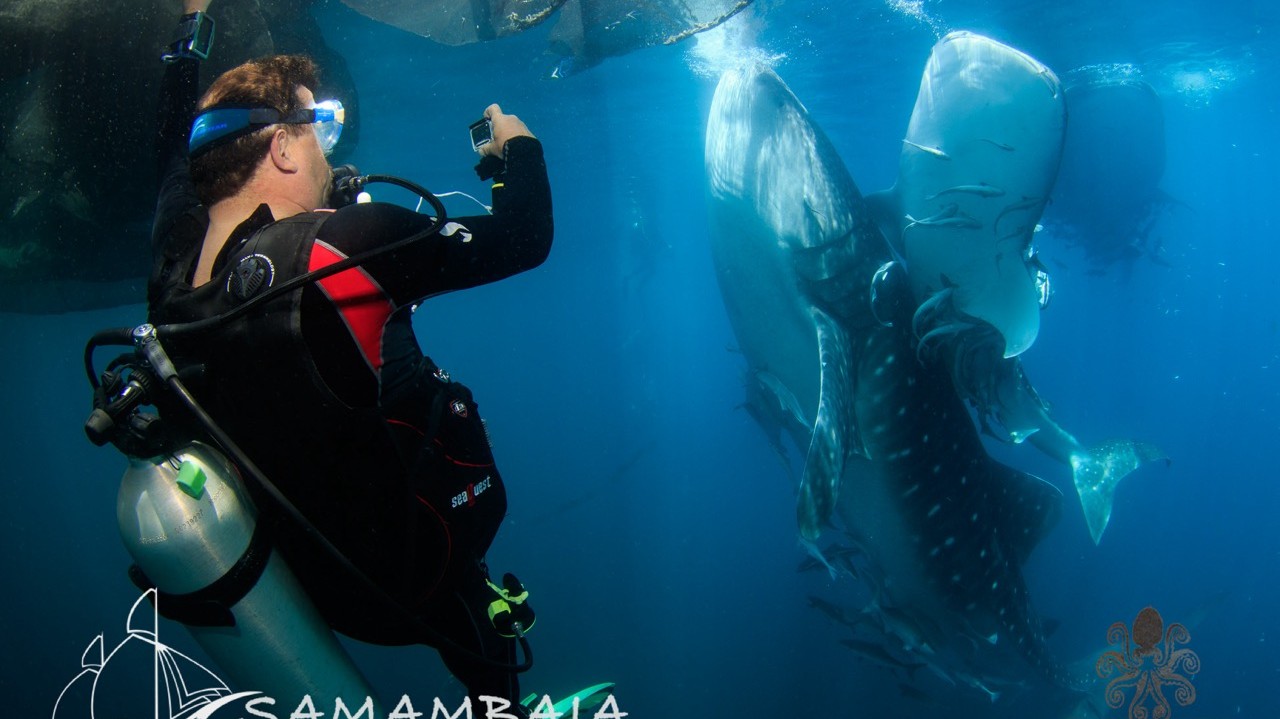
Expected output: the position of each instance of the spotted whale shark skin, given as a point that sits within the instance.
(978, 162)
(794, 247)
(947, 528)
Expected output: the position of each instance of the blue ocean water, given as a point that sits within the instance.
(651, 521)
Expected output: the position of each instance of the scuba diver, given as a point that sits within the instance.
(322, 382)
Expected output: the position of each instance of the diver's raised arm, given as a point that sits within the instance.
(504, 128)
(179, 91)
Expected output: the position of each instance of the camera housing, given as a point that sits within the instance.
(193, 38)
(481, 133)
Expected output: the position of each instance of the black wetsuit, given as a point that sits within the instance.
(326, 389)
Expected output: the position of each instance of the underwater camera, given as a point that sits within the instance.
(481, 133)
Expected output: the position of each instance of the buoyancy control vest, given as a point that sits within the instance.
(405, 484)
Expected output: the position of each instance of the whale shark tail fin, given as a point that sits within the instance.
(1097, 471)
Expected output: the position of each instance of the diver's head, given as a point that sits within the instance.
(259, 125)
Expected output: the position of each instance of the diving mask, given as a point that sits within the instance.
(219, 125)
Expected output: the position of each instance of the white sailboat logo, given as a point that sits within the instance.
(112, 684)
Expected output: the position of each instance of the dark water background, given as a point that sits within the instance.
(654, 527)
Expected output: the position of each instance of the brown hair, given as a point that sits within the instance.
(266, 82)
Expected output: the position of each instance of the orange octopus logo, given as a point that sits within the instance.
(1148, 667)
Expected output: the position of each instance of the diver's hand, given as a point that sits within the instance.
(504, 128)
(190, 6)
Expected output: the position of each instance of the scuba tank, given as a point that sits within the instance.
(189, 525)
(188, 522)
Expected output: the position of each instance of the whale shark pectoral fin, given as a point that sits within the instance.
(1026, 511)
(1097, 472)
(835, 431)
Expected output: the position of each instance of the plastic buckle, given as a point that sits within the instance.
(193, 39)
(509, 613)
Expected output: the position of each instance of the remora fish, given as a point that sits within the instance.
(794, 247)
(833, 611)
(981, 190)
(880, 656)
(935, 151)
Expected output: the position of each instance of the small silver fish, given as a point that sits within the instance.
(949, 217)
(948, 210)
(981, 190)
(1025, 204)
(1001, 145)
(935, 151)
(959, 221)
(963, 222)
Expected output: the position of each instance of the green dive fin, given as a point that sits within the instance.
(588, 699)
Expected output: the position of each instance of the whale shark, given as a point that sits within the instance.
(1107, 200)
(892, 451)
(792, 242)
(833, 327)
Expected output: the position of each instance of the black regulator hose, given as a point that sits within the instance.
(348, 185)
(116, 336)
